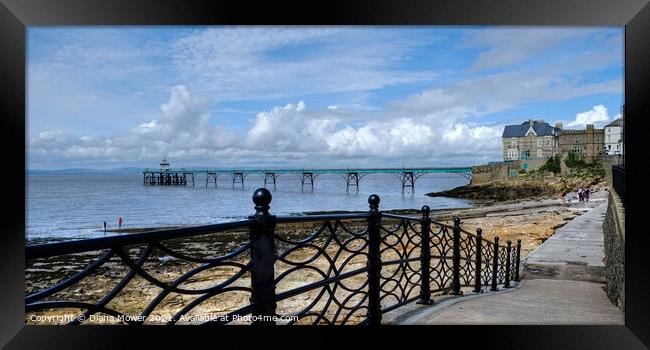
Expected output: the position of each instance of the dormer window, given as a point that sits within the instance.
(531, 131)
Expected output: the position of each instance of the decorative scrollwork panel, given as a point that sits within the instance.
(321, 272)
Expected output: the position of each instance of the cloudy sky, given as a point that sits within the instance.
(108, 97)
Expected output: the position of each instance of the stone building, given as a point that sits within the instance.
(588, 143)
(532, 143)
(614, 137)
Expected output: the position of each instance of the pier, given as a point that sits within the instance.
(166, 176)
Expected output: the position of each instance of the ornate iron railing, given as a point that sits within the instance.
(317, 269)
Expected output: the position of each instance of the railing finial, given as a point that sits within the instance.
(425, 211)
(374, 200)
(262, 198)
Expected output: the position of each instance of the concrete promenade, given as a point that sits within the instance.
(562, 284)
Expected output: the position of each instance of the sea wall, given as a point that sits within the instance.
(489, 172)
(614, 234)
(608, 161)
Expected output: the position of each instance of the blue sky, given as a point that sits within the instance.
(107, 97)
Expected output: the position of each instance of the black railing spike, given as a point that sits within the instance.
(477, 278)
(517, 261)
(456, 258)
(495, 264)
(425, 257)
(374, 261)
(263, 256)
(508, 252)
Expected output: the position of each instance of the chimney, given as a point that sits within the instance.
(558, 126)
(590, 127)
(531, 122)
(539, 121)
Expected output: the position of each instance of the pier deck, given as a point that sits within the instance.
(180, 176)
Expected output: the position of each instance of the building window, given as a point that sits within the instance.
(513, 144)
(539, 153)
(539, 143)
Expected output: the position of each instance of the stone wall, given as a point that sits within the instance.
(614, 234)
(608, 161)
(588, 143)
(490, 172)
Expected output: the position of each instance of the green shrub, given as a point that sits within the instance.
(574, 160)
(552, 165)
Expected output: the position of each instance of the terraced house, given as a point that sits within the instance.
(532, 143)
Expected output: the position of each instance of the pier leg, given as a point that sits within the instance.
(305, 177)
(268, 177)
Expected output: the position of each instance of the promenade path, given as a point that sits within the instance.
(562, 283)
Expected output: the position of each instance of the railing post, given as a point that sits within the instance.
(518, 259)
(508, 251)
(495, 264)
(456, 258)
(425, 257)
(374, 261)
(479, 242)
(263, 258)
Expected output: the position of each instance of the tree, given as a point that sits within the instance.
(552, 165)
(573, 160)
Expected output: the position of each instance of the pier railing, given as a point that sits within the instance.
(316, 269)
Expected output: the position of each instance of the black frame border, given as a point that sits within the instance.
(15, 15)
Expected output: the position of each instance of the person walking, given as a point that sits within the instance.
(119, 221)
(104, 226)
(587, 194)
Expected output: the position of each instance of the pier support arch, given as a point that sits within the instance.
(408, 178)
(270, 177)
(307, 177)
(352, 179)
(211, 177)
(238, 177)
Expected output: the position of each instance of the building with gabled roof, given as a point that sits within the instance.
(614, 137)
(532, 142)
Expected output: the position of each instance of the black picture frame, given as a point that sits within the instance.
(15, 15)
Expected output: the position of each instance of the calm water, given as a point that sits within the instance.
(75, 206)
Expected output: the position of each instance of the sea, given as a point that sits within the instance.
(63, 207)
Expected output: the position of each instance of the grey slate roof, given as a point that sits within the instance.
(616, 122)
(541, 129)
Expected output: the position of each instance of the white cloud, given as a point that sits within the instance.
(442, 121)
(597, 115)
(510, 45)
(183, 129)
(247, 63)
(296, 130)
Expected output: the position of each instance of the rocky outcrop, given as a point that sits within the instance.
(518, 188)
